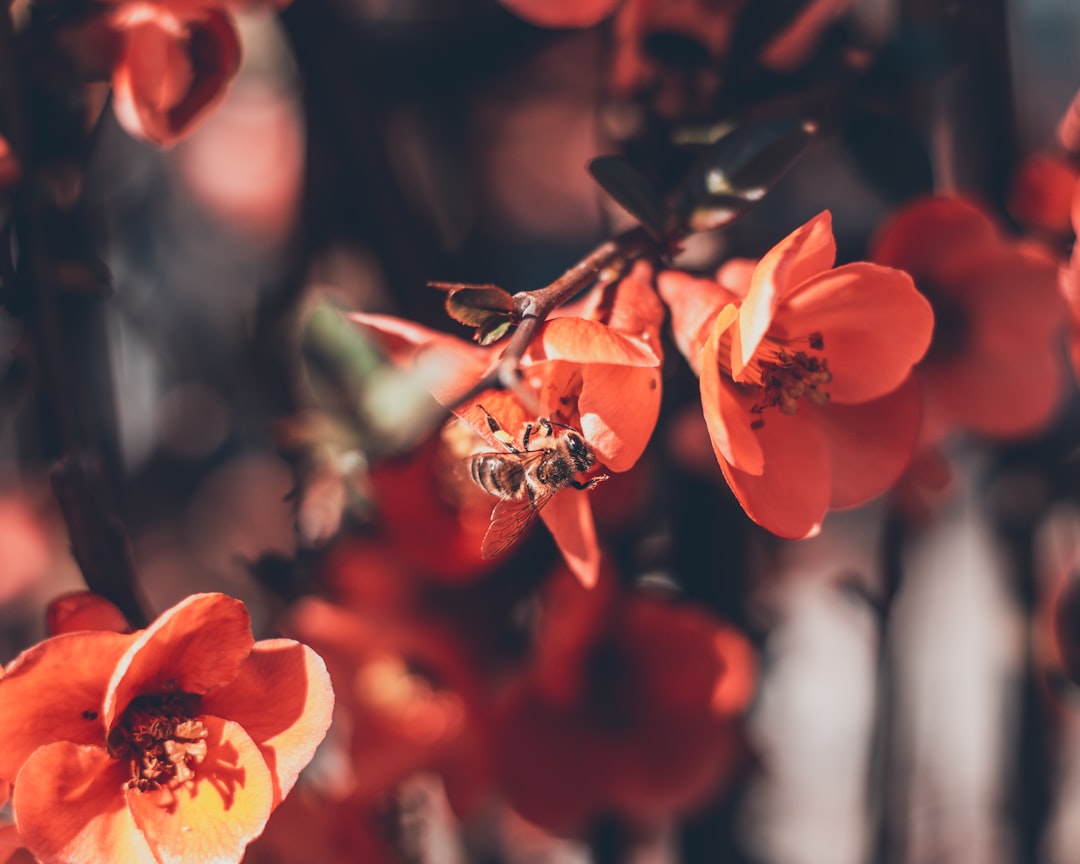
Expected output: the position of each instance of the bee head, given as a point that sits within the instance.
(579, 451)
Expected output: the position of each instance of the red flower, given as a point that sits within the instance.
(174, 61)
(805, 375)
(993, 366)
(593, 365)
(173, 743)
(1069, 283)
(631, 708)
(407, 693)
(562, 13)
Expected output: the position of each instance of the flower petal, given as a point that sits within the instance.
(791, 495)
(582, 341)
(213, 817)
(930, 230)
(618, 428)
(69, 807)
(875, 327)
(871, 443)
(197, 645)
(283, 700)
(55, 691)
(569, 518)
(726, 407)
(806, 252)
(694, 304)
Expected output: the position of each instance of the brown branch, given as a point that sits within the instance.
(65, 323)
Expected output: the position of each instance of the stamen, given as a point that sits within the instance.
(160, 736)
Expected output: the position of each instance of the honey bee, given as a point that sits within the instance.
(525, 479)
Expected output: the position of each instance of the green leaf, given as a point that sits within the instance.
(475, 305)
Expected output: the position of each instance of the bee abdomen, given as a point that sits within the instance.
(498, 476)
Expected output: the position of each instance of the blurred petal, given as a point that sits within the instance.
(283, 700)
(562, 13)
(197, 645)
(175, 63)
(69, 805)
(930, 230)
(213, 817)
(84, 610)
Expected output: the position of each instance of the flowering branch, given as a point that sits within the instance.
(531, 309)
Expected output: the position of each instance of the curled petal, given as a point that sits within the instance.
(69, 807)
(55, 691)
(871, 443)
(806, 252)
(792, 493)
(175, 62)
(727, 407)
(197, 645)
(875, 325)
(569, 518)
(283, 700)
(215, 815)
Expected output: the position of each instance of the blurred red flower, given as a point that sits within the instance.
(173, 62)
(993, 366)
(631, 707)
(1041, 194)
(593, 365)
(405, 689)
(562, 13)
(172, 743)
(805, 375)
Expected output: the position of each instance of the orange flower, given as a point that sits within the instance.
(173, 743)
(174, 62)
(592, 365)
(805, 375)
(631, 708)
(993, 366)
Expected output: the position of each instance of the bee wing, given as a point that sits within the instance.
(509, 520)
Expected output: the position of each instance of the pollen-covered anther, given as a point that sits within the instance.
(161, 738)
(787, 378)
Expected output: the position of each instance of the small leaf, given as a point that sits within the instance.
(474, 305)
(492, 331)
(739, 169)
(632, 189)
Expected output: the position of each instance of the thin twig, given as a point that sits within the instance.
(531, 309)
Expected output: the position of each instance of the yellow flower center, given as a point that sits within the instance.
(161, 737)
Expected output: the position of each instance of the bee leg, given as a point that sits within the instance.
(588, 484)
(501, 435)
(525, 437)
